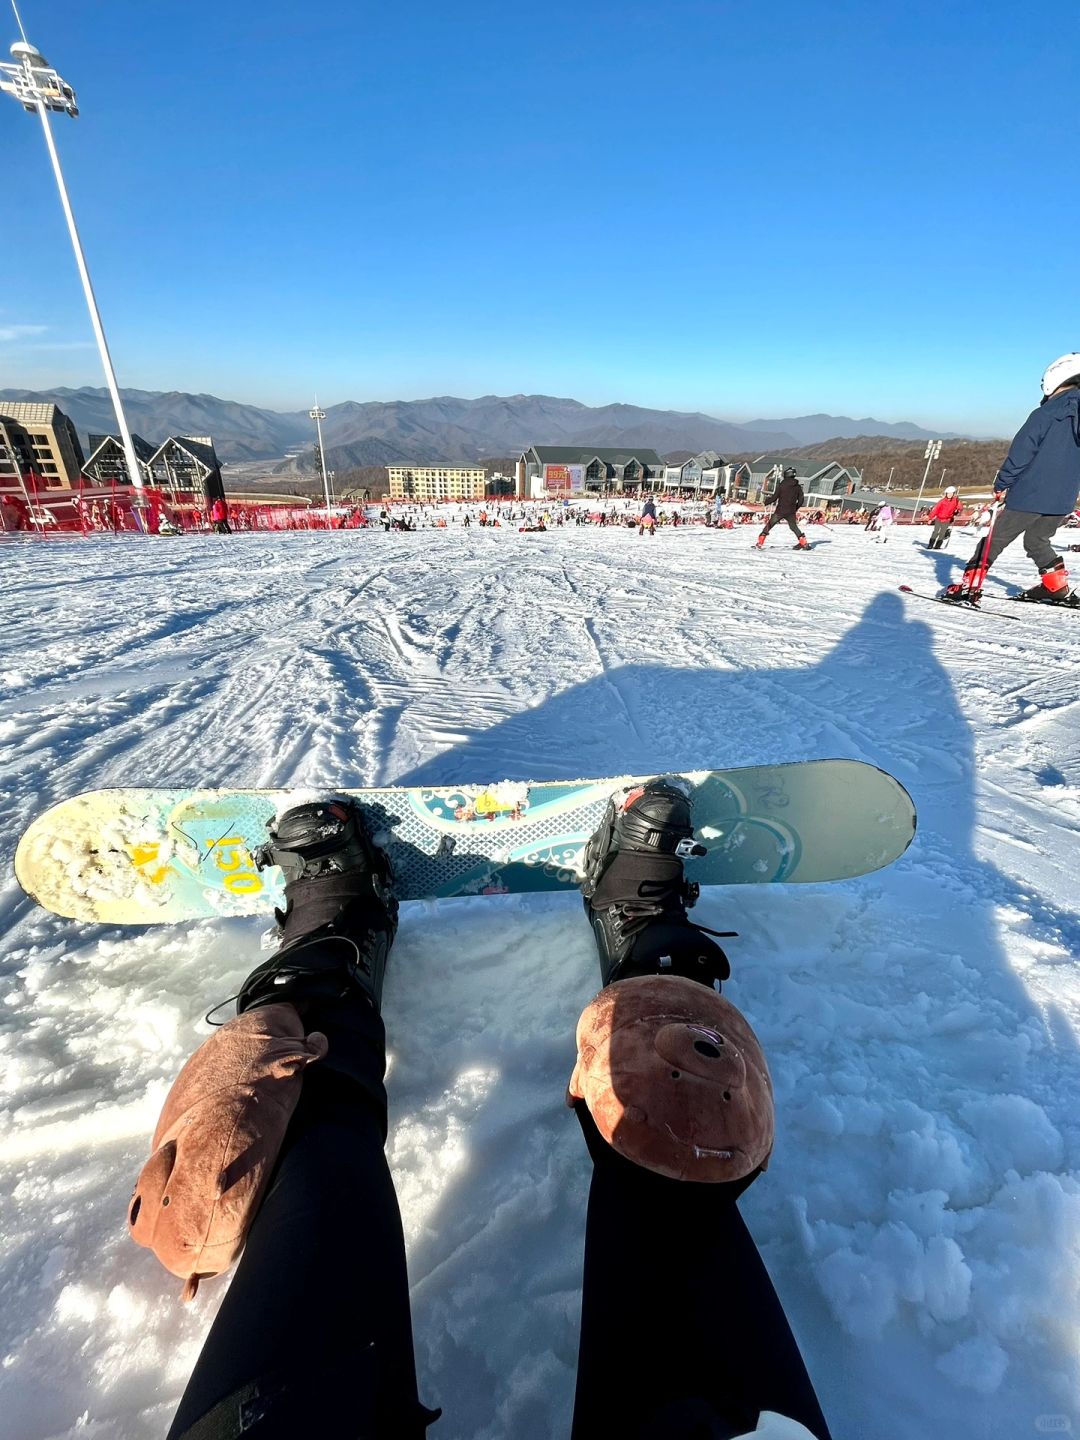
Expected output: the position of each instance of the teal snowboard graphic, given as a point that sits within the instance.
(147, 857)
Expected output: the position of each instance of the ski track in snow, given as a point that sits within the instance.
(921, 1217)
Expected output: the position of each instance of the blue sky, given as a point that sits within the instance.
(755, 211)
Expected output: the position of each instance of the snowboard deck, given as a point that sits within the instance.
(145, 857)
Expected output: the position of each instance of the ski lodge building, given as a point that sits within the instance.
(545, 471)
(38, 439)
(436, 482)
(756, 480)
(183, 463)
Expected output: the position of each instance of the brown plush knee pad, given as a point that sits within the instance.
(675, 1079)
(217, 1140)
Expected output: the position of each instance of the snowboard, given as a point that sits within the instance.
(145, 857)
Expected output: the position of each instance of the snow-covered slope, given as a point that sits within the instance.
(922, 1214)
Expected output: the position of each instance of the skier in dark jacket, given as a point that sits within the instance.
(789, 496)
(1037, 487)
(314, 1335)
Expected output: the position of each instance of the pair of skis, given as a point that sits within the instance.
(972, 598)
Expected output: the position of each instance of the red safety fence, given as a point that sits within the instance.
(115, 509)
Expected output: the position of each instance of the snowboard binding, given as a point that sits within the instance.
(340, 913)
(319, 838)
(635, 892)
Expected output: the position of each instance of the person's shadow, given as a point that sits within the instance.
(918, 1084)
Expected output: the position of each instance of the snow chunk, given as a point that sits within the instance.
(978, 1364)
(1014, 1133)
(77, 1304)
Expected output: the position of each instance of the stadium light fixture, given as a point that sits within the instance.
(32, 81)
(933, 450)
(319, 416)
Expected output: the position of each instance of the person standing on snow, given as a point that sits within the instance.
(885, 517)
(943, 515)
(789, 496)
(648, 518)
(219, 517)
(1036, 489)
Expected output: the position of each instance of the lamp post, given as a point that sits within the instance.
(933, 450)
(318, 415)
(36, 86)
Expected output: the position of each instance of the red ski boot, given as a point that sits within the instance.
(967, 591)
(1053, 588)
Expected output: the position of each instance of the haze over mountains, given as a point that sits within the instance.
(444, 428)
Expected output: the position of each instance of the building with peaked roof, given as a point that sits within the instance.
(702, 474)
(823, 484)
(188, 462)
(108, 463)
(183, 462)
(547, 470)
(39, 443)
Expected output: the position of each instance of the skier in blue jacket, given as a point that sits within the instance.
(1038, 486)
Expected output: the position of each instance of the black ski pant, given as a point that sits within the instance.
(775, 519)
(939, 534)
(1037, 531)
(682, 1333)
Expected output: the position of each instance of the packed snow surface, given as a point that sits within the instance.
(921, 1216)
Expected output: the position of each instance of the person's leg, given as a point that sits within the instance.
(314, 1335)
(1008, 524)
(793, 526)
(1037, 537)
(1053, 586)
(682, 1332)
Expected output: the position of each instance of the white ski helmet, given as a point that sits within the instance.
(950, 489)
(1064, 369)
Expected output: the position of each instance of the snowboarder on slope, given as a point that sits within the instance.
(943, 516)
(314, 1335)
(1038, 486)
(648, 518)
(789, 496)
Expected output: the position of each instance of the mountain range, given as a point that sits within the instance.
(444, 428)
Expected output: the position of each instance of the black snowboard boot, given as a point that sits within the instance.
(635, 894)
(340, 912)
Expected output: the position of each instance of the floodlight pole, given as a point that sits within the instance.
(933, 450)
(319, 416)
(33, 83)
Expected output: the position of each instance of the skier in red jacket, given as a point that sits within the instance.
(944, 515)
(219, 516)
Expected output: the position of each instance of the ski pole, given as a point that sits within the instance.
(984, 561)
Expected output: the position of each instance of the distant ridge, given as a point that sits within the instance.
(813, 429)
(443, 428)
